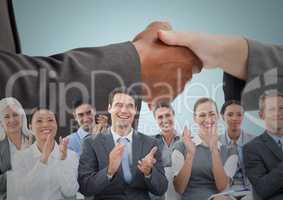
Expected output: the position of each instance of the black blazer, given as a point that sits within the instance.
(264, 167)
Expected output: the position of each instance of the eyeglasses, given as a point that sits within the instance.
(204, 115)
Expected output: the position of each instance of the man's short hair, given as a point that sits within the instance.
(123, 90)
(80, 101)
(162, 104)
(268, 93)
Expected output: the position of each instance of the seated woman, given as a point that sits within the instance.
(198, 163)
(45, 170)
(235, 137)
(14, 136)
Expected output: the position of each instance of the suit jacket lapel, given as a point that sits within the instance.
(137, 148)
(271, 144)
(108, 141)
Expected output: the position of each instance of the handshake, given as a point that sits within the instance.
(164, 69)
(169, 59)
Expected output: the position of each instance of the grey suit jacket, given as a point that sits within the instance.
(264, 167)
(93, 165)
(58, 79)
(5, 165)
(261, 59)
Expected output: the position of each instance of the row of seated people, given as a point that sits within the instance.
(122, 163)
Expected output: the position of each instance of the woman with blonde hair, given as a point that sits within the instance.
(14, 136)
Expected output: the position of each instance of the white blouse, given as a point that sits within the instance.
(30, 179)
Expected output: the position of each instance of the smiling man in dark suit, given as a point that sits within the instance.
(263, 156)
(121, 163)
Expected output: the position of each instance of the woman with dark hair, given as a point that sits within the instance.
(14, 136)
(235, 137)
(198, 163)
(47, 171)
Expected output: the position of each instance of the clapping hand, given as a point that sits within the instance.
(146, 164)
(115, 158)
(187, 138)
(63, 147)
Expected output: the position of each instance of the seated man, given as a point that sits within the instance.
(122, 163)
(263, 156)
(84, 114)
(164, 115)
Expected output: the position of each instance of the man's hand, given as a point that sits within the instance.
(115, 158)
(146, 164)
(165, 69)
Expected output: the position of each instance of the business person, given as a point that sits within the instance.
(121, 163)
(84, 114)
(46, 170)
(164, 116)
(14, 136)
(198, 163)
(263, 156)
(232, 113)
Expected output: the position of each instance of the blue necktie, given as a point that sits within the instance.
(125, 160)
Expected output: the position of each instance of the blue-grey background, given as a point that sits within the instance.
(48, 27)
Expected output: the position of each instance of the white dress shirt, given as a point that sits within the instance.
(30, 179)
(116, 137)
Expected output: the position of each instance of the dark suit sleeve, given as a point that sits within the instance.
(157, 183)
(232, 87)
(92, 181)
(261, 58)
(265, 183)
(3, 183)
(57, 79)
